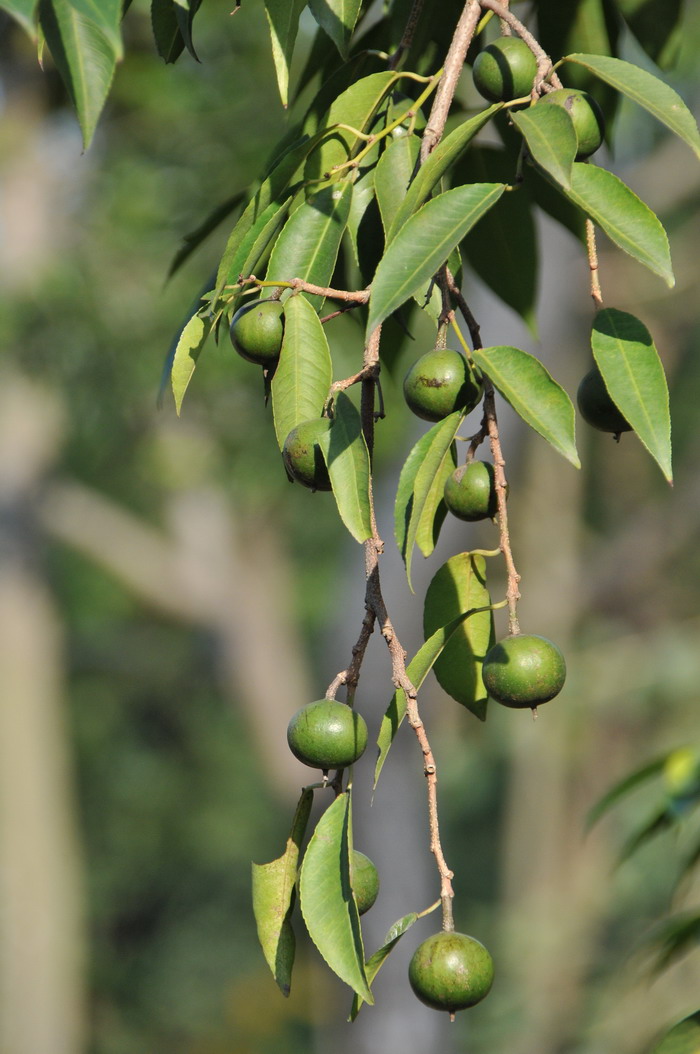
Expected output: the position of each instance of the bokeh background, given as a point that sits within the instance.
(168, 600)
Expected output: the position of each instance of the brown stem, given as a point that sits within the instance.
(408, 33)
(454, 62)
(592, 250)
(360, 296)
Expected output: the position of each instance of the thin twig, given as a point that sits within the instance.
(544, 63)
(454, 62)
(359, 296)
(592, 250)
(408, 33)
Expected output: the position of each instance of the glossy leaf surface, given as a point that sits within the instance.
(347, 458)
(551, 139)
(394, 171)
(304, 372)
(283, 19)
(374, 963)
(192, 340)
(337, 18)
(356, 106)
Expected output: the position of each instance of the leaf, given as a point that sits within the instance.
(304, 372)
(634, 376)
(257, 243)
(683, 1038)
(192, 340)
(421, 484)
(460, 585)
(185, 10)
(434, 168)
(106, 15)
(308, 245)
(417, 670)
(551, 139)
(23, 12)
(620, 790)
(394, 170)
(345, 453)
(326, 898)
(84, 58)
(424, 243)
(672, 938)
(533, 393)
(623, 216)
(363, 195)
(166, 30)
(660, 820)
(647, 90)
(283, 18)
(337, 18)
(273, 899)
(373, 964)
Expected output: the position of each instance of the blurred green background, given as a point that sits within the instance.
(167, 600)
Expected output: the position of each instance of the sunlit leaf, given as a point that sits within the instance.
(551, 139)
(106, 15)
(337, 18)
(192, 340)
(347, 458)
(283, 18)
(374, 963)
(22, 11)
(394, 171)
(304, 371)
(683, 1038)
(354, 107)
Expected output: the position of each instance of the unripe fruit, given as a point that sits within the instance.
(303, 457)
(596, 406)
(504, 70)
(451, 971)
(470, 492)
(257, 331)
(364, 880)
(440, 382)
(586, 114)
(327, 735)
(524, 671)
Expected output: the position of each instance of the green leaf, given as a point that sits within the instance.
(23, 12)
(421, 247)
(106, 15)
(166, 30)
(623, 788)
(644, 88)
(185, 10)
(273, 899)
(634, 376)
(373, 964)
(534, 394)
(84, 57)
(660, 820)
(394, 171)
(326, 898)
(257, 243)
(460, 585)
(421, 486)
(683, 1038)
(304, 372)
(431, 172)
(337, 18)
(283, 18)
(308, 245)
(345, 453)
(417, 670)
(623, 216)
(363, 196)
(672, 939)
(551, 139)
(192, 340)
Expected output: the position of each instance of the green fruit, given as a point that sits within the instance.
(364, 880)
(470, 492)
(586, 114)
(327, 735)
(504, 70)
(524, 670)
(440, 382)
(303, 457)
(451, 971)
(596, 406)
(257, 331)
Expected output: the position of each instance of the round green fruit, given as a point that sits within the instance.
(596, 406)
(327, 735)
(586, 114)
(440, 382)
(524, 671)
(364, 880)
(470, 492)
(451, 971)
(257, 331)
(303, 457)
(504, 70)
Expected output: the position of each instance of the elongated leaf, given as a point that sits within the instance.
(337, 18)
(660, 820)
(106, 15)
(421, 484)
(460, 585)
(345, 453)
(363, 195)
(273, 898)
(634, 376)
(373, 964)
(355, 107)
(644, 88)
(424, 243)
(449, 150)
(683, 1038)
(551, 139)
(192, 340)
(623, 788)
(308, 245)
(84, 57)
(23, 12)
(283, 18)
(326, 898)
(394, 171)
(534, 394)
(304, 372)
(417, 670)
(166, 30)
(623, 216)
(256, 246)
(185, 10)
